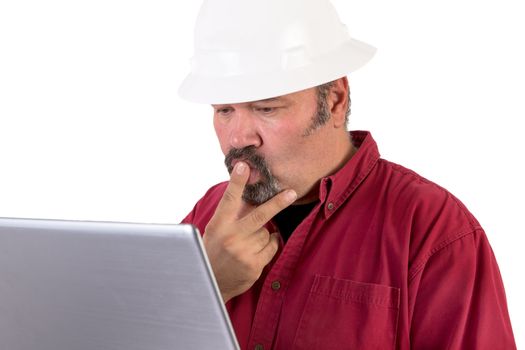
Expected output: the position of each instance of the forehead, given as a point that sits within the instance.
(303, 96)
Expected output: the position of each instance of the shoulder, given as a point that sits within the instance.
(421, 197)
(205, 207)
(433, 218)
(215, 192)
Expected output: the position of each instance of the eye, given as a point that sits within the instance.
(266, 110)
(223, 111)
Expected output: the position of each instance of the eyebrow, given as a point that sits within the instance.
(269, 99)
(266, 100)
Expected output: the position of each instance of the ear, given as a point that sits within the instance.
(338, 102)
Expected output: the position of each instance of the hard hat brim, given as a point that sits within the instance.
(348, 57)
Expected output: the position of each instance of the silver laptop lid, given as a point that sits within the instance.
(72, 285)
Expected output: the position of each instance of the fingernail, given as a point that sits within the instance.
(290, 195)
(240, 167)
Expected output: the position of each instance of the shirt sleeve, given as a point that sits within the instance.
(458, 300)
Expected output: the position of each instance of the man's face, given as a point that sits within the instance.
(276, 138)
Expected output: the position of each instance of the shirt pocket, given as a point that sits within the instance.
(344, 314)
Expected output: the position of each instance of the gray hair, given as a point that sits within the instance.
(322, 95)
(323, 114)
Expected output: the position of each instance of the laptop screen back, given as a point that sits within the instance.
(71, 285)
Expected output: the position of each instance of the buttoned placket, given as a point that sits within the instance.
(275, 284)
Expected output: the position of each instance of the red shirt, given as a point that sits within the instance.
(386, 260)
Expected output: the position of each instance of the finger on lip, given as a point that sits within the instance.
(238, 160)
(241, 161)
(240, 167)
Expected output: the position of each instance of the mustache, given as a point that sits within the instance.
(249, 155)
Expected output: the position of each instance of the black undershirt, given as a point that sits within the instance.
(288, 219)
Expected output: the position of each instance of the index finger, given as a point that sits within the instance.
(231, 200)
(266, 211)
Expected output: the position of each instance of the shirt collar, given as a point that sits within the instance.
(336, 188)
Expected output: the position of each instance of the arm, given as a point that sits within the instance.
(457, 299)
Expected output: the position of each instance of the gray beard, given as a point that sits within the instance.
(266, 187)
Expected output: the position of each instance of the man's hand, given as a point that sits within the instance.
(237, 244)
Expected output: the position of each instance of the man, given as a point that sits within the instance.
(316, 242)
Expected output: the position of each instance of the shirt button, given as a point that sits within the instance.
(330, 206)
(259, 347)
(276, 285)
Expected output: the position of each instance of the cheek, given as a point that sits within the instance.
(220, 132)
(297, 154)
(287, 151)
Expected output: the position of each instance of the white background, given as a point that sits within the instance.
(91, 126)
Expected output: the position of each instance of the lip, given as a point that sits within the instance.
(235, 161)
(254, 176)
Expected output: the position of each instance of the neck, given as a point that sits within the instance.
(342, 152)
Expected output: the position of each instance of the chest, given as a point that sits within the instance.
(336, 284)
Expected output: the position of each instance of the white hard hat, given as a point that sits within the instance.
(248, 50)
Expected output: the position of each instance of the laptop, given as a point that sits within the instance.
(77, 285)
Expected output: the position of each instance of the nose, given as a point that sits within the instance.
(244, 131)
